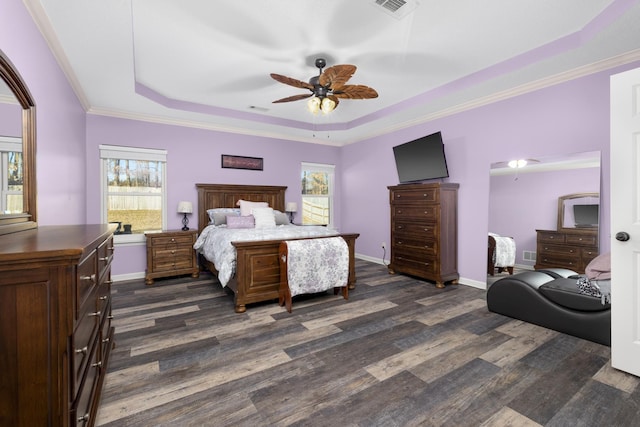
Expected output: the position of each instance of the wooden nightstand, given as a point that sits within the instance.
(171, 253)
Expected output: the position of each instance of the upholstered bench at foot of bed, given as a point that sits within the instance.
(552, 301)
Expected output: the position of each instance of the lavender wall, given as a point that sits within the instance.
(194, 157)
(59, 116)
(518, 207)
(567, 118)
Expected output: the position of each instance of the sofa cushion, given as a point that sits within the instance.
(565, 292)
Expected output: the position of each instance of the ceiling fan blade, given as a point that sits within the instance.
(292, 98)
(356, 92)
(336, 77)
(291, 81)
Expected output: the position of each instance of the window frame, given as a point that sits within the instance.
(8, 144)
(319, 167)
(130, 153)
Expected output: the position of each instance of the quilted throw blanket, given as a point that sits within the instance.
(214, 243)
(317, 265)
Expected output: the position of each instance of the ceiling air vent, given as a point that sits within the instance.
(396, 8)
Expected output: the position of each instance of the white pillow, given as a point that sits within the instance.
(264, 217)
(246, 206)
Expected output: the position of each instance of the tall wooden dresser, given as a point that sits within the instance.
(424, 231)
(566, 249)
(55, 324)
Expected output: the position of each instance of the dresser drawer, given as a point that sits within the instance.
(83, 340)
(570, 261)
(429, 213)
(105, 256)
(425, 230)
(563, 250)
(415, 195)
(105, 332)
(86, 282)
(422, 247)
(550, 237)
(168, 241)
(173, 259)
(413, 263)
(83, 404)
(588, 254)
(576, 239)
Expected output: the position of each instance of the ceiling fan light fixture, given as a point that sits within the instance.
(327, 105)
(313, 104)
(517, 163)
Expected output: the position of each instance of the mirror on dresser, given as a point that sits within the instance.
(526, 199)
(17, 151)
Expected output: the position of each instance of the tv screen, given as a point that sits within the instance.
(585, 215)
(421, 159)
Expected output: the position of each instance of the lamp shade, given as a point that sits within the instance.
(291, 207)
(185, 207)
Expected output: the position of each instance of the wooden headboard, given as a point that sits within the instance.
(212, 196)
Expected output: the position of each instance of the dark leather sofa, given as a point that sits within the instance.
(551, 298)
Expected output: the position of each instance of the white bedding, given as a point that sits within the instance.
(214, 243)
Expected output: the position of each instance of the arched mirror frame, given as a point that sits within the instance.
(10, 223)
(564, 203)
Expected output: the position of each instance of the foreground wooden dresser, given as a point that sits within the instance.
(424, 231)
(566, 249)
(55, 324)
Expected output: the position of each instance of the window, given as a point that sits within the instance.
(133, 189)
(317, 193)
(11, 175)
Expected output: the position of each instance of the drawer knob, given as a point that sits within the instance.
(82, 350)
(92, 277)
(110, 317)
(173, 240)
(97, 364)
(103, 298)
(173, 252)
(106, 340)
(108, 282)
(105, 259)
(96, 314)
(85, 417)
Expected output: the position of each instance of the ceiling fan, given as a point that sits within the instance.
(327, 87)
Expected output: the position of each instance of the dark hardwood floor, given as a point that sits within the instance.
(399, 352)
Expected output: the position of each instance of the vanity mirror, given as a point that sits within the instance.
(13, 91)
(579, 212)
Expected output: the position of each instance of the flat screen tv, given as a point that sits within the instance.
(585, 215)
(421, 159)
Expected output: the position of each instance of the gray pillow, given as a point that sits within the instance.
(281, 218)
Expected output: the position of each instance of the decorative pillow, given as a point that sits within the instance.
(247, 221)
(599, 268)
(246, 206)
(264, 217)
(218, 216)
(281, 218)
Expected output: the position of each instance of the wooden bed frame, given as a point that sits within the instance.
(257, 276)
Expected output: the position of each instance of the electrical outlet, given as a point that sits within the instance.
(384, 245)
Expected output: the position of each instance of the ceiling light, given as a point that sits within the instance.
(517, 163)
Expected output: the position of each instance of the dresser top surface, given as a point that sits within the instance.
(65, 241)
